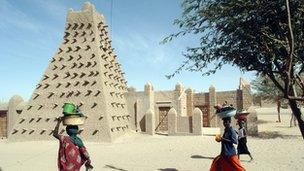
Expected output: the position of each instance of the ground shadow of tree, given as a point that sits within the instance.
(114, 168)
(274, 134)
(261, 121)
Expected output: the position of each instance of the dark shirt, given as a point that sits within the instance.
(227, 147)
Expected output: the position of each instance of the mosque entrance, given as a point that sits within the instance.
(163, 119)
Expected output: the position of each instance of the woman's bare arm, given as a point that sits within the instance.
(56, 129)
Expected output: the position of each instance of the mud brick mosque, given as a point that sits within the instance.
(86, 71)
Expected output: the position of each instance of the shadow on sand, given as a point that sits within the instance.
(260, 121)
(274, 134)
(114, 168)
(283, 126)
(168, 169)
(248, 161)
(201, 157)
(162, 133)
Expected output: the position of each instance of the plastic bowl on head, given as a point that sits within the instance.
(74, 120)
(68, 109)
(241, 115)
(228, 113)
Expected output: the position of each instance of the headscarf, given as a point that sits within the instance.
(72, 131)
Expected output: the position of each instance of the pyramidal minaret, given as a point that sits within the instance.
(84, 71)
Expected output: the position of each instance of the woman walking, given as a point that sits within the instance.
(72, 153)
(227, 160)
(242, 145)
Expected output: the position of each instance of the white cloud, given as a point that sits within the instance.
(11, 16)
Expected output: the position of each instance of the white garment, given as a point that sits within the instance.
(241, 133)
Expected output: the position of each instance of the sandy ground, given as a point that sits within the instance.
(278, 147)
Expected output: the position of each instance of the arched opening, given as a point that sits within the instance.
(3, 123)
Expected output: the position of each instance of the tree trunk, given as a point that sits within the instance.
(297, 113)
(279, 110)
(279, 116)
(291, 119)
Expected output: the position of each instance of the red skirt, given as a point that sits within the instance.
(222, 163)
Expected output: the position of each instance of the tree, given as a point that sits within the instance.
(266, 90)
(261, 35)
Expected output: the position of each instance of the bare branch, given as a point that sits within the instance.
(295, 98)
(291, 49)
(273, 79)
(300, 83)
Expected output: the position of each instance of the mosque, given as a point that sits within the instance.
(86, 71)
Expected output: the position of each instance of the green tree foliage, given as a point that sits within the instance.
(266, 89)
(255, 35)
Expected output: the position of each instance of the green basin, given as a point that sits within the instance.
(68, 109)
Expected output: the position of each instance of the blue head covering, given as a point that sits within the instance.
(72, 131)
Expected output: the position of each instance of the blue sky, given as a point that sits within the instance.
(31, 31)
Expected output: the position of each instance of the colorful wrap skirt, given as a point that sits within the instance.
(223, 163)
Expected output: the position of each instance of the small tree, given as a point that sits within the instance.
(262, 36)
(266, 90)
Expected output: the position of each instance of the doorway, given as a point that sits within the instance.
(163, 119)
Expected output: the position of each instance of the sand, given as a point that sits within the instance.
(278, 147)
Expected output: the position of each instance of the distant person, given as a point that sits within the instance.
(227, 160)
(242, 144)
(72, 153)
